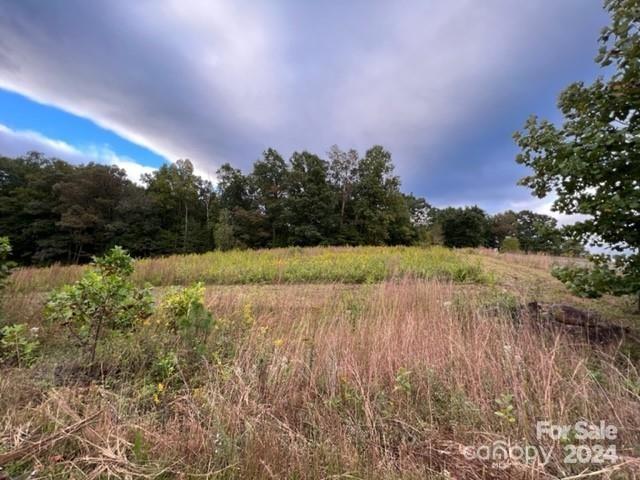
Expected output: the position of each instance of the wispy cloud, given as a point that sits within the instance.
(15, 143)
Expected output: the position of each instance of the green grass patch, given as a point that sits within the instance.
(290, 265)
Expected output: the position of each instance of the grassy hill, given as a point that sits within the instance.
(376, 362)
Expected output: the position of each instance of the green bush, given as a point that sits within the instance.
(617, 276)
(18, 344)
(510, 245)
(184, 312)
(103, 299)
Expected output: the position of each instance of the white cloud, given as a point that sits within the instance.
(18, 142)
(544, 206)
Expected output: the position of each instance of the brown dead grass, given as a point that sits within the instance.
(329, 381)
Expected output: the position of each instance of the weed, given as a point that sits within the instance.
(506, 410)
(18, 344)
(403, 380)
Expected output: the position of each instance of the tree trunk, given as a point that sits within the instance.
(96, 338)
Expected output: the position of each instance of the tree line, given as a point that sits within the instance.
(53, 211)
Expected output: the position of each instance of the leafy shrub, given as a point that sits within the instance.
(403, 381)
(18, 344)
(165, 366)
(103, 299)
(507, 409)
(510, 245)
(184, 312)
(617, 277)
(584, 282)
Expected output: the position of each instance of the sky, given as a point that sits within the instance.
(442, 84)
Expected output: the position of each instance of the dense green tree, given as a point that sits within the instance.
(537, 232)
(270, 178)
(183, 202)
(87, 202)
(591, 162)
(463, 227)
(571, 246)
(343, 176)
(233, 188)
(501, 226)
(27, 207)
(402, 230)
(54, 211)
(419, 214)
(209, 203)
(223, 232)
(310, 209)
(374, 195)
(138, 224)
(237, 195)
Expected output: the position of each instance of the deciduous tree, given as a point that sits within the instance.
(591, 161)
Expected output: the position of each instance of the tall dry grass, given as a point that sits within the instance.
(333, 381)
(539, 261)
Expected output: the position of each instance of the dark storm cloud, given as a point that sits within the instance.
(441, 84)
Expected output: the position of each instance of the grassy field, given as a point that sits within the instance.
(322, 363)
(290, 265)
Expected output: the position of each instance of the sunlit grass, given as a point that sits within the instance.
(291, 265)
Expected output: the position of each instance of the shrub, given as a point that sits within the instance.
(103, 299)
(18, 344)
(604, 276)
(510, 244)
(507, 409)
(184, 312)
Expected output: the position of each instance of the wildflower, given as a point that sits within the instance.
(247, 313)
(278, 342)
